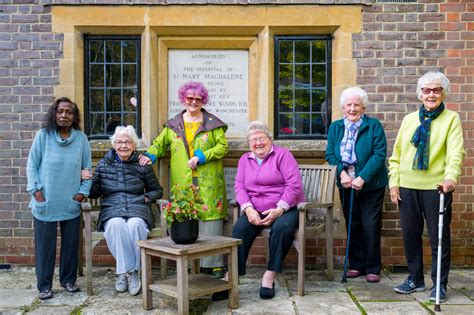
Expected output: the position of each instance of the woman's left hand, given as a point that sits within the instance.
(271, 215)
(78, 197)
(193, 162)
(358, 183)
(448, 186)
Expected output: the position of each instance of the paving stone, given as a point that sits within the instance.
(454, 297)
(273, 306)
(457, 309)
(381, 291)
(16, 297)
(52, 310)
(393, 308)
(326, 303)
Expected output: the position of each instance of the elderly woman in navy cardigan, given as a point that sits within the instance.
(358, 147)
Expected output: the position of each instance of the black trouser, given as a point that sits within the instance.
(414, 206)
(45, 252)
(282, 232)
(364, 247)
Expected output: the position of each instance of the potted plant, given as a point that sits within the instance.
(183, 213)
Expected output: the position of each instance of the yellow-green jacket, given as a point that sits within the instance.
(446, 153)
(210, 146)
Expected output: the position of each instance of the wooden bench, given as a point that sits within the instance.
(91, 237)
(316, 215)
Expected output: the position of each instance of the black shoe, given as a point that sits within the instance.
(267, 293)
(221, 295)
(46, 294)
(71, 288)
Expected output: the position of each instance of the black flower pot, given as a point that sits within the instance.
(186, 232)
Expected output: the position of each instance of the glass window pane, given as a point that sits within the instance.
(302, 124)
(319, 99)
(113, 51)
(96, 49)
(96, 75)
(302, 76)
(129, 50)
(286, 124)
(302, 51)
(113, 75)
(129, 75)
(319, 124)
(302, 100)
(319, 75)
(130, 119)
(97, 100)
(319, 51)
(97, 124)
(286, 100)
(130, 100)
(286, 51)
(113, 121)
(286, 75)
(114, 101)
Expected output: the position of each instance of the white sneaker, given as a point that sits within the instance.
(134, 283)
(121, 283)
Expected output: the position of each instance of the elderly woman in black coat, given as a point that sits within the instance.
(127, 190)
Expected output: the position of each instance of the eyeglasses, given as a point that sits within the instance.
(191, 99)
(436, 91)
(121, 143)
(259, 139)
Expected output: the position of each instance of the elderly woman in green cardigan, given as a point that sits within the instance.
(428, 152)
(197, 143)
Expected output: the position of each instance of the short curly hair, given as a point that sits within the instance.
(196, 87)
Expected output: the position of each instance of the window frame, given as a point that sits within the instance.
(87, 105)
(277, 39)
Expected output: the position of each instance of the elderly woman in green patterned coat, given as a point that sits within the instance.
(197, 143)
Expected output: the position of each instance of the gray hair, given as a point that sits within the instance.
(128, 131)
(258, 126)
(354, 91)
(433, 77)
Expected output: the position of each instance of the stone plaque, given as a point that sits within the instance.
(223, 72)
(229, 175)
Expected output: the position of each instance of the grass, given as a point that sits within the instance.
(361, 309)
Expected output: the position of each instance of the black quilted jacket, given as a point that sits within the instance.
(123, 186)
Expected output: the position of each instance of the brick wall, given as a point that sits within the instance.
(399, 42)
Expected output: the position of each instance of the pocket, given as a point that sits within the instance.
(74, 206)
(40, 207)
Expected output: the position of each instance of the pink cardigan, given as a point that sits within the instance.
(277, 182)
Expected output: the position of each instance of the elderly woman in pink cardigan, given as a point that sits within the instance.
(268, 188)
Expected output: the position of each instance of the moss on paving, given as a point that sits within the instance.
(361, 309)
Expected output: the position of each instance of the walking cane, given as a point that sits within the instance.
(346, 259)
(437, 307)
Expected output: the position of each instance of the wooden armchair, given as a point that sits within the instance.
(91, 237)
(316, 215)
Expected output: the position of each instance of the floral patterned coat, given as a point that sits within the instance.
(210, 146)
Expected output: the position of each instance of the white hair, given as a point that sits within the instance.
(258, 126)
(128, 131)
(433, 77)
(354, 91)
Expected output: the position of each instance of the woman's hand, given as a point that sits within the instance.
(39, 196)
(271, 215)
(144, 160)
(252, 216)
(358, 183)
(86, 174)
(147, 200)
(193, 162)
(395, 194)
(346, 180)
(78, 197)
(448, 185)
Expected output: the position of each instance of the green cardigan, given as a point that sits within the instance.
(446, 153)
(370, 148)
(210, 146)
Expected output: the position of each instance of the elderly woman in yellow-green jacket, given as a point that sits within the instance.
(197, 143)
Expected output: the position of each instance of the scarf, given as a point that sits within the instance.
(348, 155)
(421, 137)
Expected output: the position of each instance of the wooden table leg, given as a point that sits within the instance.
(146, 280)
(233, 279)
(182, 285)
(195, 266)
